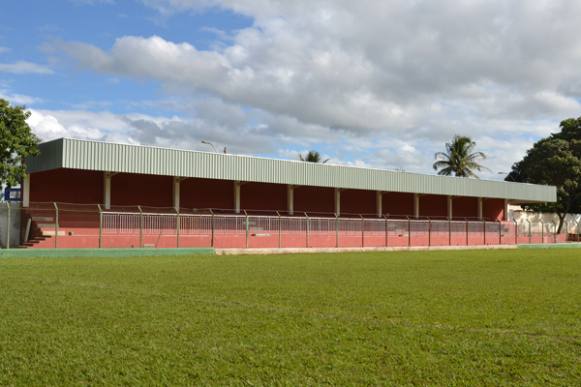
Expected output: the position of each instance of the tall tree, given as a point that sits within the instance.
(459, 158)
(16, 143)
(312, 157)
(555, 160)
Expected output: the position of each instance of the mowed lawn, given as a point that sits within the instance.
(409, 318)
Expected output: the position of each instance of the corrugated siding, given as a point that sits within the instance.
(50, 157)
(93, 155)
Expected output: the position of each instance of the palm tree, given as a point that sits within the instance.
(312, 157)
(459, 159)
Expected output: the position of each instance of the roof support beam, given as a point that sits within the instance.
(337, 197)
(480, 208)
(176, 183)
(450, 207)
(290, 199)
(416, 206)
(379, 203)
(107, 189)
(237, 186)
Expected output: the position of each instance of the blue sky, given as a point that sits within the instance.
(370, 83)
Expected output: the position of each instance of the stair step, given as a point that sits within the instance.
(45, 219)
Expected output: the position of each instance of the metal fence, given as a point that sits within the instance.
(58, 225)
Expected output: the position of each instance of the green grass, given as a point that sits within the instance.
(409, 318)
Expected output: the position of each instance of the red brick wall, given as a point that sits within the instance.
(147, 190)
(493, 209)
(67, 186)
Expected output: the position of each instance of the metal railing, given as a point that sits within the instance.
(53, 225)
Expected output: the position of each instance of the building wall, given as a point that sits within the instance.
(465, 208)
(358, 202)
(493, 209)
(314, 200)
(67, 186)
(261, 196)
(146, 190)
(398, 204)
(434, 206)
(207, 193)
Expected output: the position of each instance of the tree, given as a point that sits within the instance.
(459, 159)
(312, 157)
(555, 160)
(17, 142)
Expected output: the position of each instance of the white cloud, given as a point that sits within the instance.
(18, 99)
(390, 81)
(24, 67)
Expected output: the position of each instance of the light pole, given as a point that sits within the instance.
(209, 143)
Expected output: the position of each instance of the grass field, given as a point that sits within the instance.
(409, 318)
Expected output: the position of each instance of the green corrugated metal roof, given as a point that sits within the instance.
(123, 158)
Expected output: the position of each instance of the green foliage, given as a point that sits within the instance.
(16, 143)
(470, 318)
(312, 157)
(459, 158)
(555, 160)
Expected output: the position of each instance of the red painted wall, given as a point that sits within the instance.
(314, 199)
(398, 204)
(146, 190)
(493, 209)
(67, 186)
(465, 207)
(207, 193)
(261, 196)
(434, 206)
(354, 201)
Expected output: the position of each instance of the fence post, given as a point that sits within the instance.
(56, 224)
(555, 231)
(307, 228)
(279, 229)
(429, 232)
(100, 225)
(484, 230)
(466, 228)
(449, 232)
(140, 226)
(542, 232)
(530, 232)
(362, 231)
(515, 232)
(386, 230)
(499, 232)
(212, 228)
(336, 231)
(409, 232)
(247, 221)
(8, 224)
(178, 228)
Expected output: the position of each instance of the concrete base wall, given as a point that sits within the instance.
(11, 227)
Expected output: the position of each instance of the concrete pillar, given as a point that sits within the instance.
(379, 203)
(337, 201)
(26, 190)
(416, 206)
(450, 208)
(480, 208)
(176, 193)
(290, 199)
(237, 186)
(107, 190)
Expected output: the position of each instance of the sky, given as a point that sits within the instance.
(367, 83)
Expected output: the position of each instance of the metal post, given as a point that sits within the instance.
(449, 232)
(307, 228)
(178, 227)
(530, 231)
(499, 232)
(336, 231)
(542, 232)
(409, 232)
(279, 229)
(100, 226)
(466, 227)
(386, 230)
(362, 231)
(247, 221)
(140, 226)
(484, 230)
(515, 232)
(429, 232)
(8, 224)
(212, 226)
(56, 225)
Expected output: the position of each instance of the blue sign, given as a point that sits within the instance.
(12, 194)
